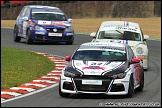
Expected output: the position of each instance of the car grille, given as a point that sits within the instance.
(117, 88)
(39, 36)
(54, 38)
(60, 38)
(68, 37)
(92, 88)
(50, 30)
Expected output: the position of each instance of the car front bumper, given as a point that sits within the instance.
(108, 87)
(47, 35)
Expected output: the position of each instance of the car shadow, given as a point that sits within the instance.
(45, 43)
(101, 96)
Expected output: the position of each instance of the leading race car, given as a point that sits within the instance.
(124, 32)
(43, 23)
(102, 68)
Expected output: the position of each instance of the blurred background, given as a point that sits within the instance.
(88, 9)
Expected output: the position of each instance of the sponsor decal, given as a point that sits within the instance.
(39, 33)
(112, 26)
(93, 67)
(94, 63)
(57, 22)
(92, 82)
(69, 34)
(96, 44)
(125, 41)
(117, 41)
(120, 27)
(52, 23)
(44, 22)
(55, 34)
(127, 28)
(126, 24)
(113, 48)
(142, 57)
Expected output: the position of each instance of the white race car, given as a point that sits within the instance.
(124, 32)
(102, 68)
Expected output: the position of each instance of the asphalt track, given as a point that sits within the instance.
(49, 97)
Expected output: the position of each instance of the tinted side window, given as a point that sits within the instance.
(23, 12)
(142, 34)
(130, 53)
(27, 13)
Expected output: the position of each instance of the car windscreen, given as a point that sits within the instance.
(119, 34)
(46, 10)
(48, 16)
(99, 55)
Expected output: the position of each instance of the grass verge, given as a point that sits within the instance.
(20, 66)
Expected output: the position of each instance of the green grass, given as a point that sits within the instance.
(20, 67)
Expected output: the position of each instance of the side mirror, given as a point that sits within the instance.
(70, 20)
(67, 58)
(25, 18)
(93, 34)
(146, 37)
(135, 60)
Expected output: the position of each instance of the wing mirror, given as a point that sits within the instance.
(67, 58)
(146, 37)
(25, 18)
(93, 34)
(70, 20)
(135, 60)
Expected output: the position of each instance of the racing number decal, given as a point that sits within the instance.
(96, 63)
(117, 41)
(24, 27)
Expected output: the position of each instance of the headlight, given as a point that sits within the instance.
(69, 29)
(39, 28)
(69, 74)
(119, 76)
(139, 50)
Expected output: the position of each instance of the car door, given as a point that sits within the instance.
(142, 38)
(21, 21)
(136, 67)
(25, 20)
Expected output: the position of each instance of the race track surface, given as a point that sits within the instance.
(49, 97)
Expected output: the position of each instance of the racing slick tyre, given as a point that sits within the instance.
(61, 93)
(28, 37)
(140, 88)
(16, 38)
(131, 87)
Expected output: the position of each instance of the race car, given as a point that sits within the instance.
(43, 23)
(124, 32)
(102, 68)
